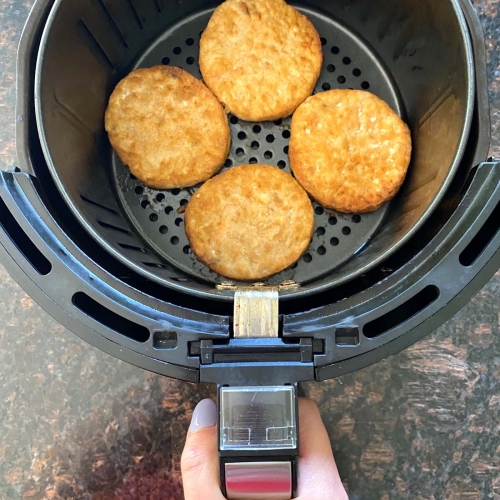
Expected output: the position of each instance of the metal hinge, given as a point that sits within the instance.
(256, 309)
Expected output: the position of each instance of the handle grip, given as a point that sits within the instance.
(258, 442)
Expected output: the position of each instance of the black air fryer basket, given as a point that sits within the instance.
(108, 257)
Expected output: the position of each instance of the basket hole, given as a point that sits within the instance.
(346, 61)
(323, 40)
(163, 229)
(189, 41)
(268, 155)
(200, 33)
(330, 68)
(347, 336)
(402, 313)
(326, 86)
(169, 210)
(356, 219)
(356, 72)
(286, 134)
(242, 136)
(160, 197)
(165, 340)
(177, 50)
(285, 150)
(282, 164)
(341, 79)
(190, 60)
(321, 250)
(256, 129)
(165, 60)
(139, 190)
(132, 176)
(307, 258)
(233, 120)
(334, 242)
(482, 239)
(365, 85)
(178, 221)
(319, 210)
(110, 319)
(183, 202)
(153, 217)
(186, 249)
(278, 122)
(20, 239)
(335, 50)
(346, 230)
(320, 231)
(255, 145)
(240, 152)
(332, 220)
(252, 160)
(145, 203)
(176, 191)
(228, 162)
(174, 240)
(270, 138)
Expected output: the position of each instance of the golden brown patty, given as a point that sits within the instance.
(249, 222)
(167, 127)
(261, 58)
(349, 150)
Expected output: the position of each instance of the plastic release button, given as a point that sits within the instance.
(259, 481)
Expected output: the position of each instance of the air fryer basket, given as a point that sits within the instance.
(414, 54)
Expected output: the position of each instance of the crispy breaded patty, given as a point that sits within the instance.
(250, 222)
(349, 150)
(261, 58)
(167, 127)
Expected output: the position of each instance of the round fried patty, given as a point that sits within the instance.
(167, 127)
(261, 58)
(250, 222)
(349, 150)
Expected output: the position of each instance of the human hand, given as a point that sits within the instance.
(318, 475)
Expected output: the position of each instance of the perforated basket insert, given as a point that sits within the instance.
(413, 55)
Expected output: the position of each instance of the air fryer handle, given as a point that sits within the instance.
(258, 442)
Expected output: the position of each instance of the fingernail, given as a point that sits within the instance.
(204, 415)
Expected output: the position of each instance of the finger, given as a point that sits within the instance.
(200, 462)
(318, 474)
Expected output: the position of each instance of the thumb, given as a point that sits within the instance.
(318, 475)
(200, 462)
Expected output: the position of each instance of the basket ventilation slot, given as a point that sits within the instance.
(109, 318)
(402, 313)
(19, 238)
(94, 46)
(113, 228)
(98, 205)
(482, 239)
